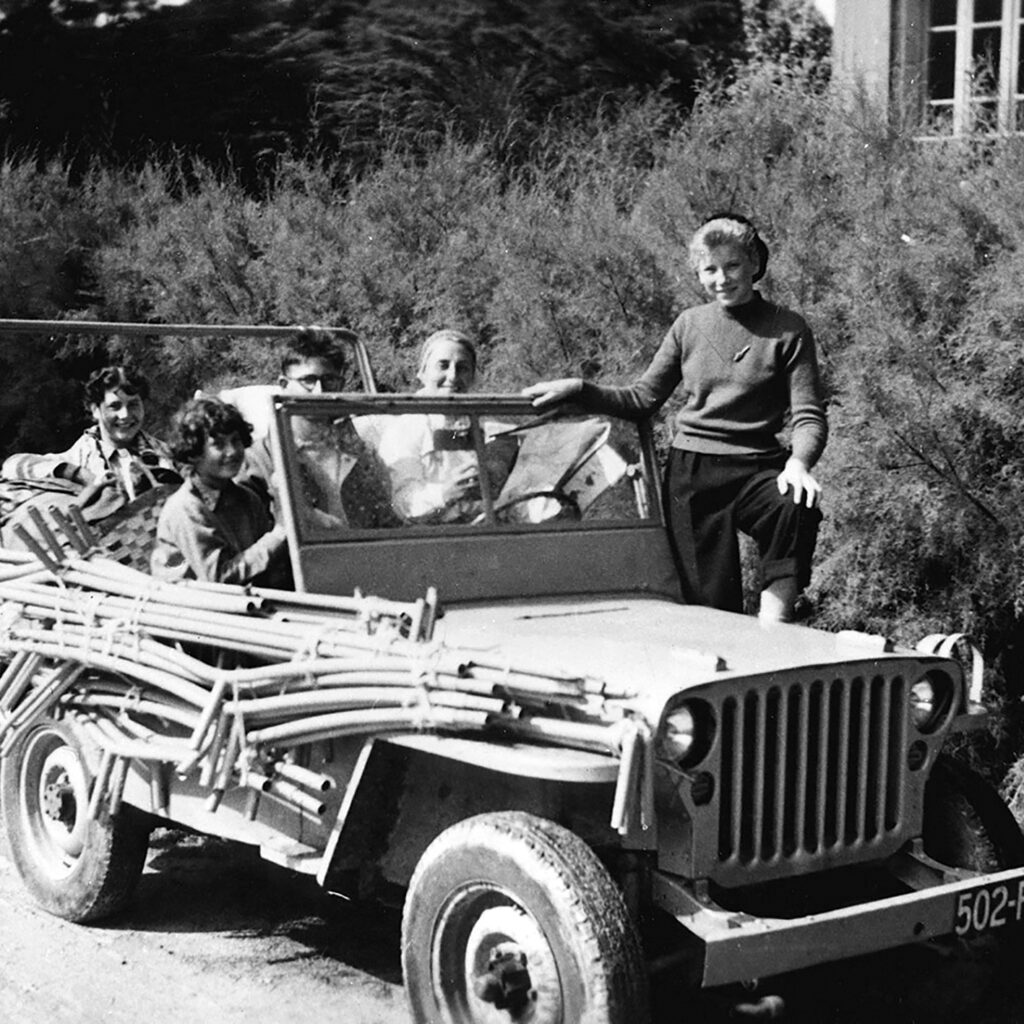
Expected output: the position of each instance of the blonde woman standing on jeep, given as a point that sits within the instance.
(748, 368)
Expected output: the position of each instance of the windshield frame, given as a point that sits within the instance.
(406, 541)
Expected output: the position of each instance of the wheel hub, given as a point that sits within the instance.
(510, 975)
(55, 795)
(506, 982)
(58, 801)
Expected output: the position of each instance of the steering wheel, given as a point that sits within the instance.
(567, 502)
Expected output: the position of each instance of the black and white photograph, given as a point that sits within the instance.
(511, 511)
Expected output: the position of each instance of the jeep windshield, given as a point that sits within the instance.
(481, 496)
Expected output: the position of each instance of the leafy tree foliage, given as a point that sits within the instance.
(192, 79)
(243, 80)
(788, 32)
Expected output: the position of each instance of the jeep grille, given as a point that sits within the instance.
(810, 769)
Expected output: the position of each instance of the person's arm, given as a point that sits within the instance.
(808, 421)
(419, 488)
(806, 401)
(189, 537)
(253, 561)
(553, 392)
(415, 496)
(80, 464)
(638, 400)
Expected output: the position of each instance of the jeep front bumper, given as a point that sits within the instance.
(740, 947)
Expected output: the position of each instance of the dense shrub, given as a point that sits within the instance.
(905, 256)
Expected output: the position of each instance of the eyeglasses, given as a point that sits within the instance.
(328, 382)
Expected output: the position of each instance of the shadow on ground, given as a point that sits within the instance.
(202, 884)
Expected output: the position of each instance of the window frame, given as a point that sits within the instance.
(1007, 95)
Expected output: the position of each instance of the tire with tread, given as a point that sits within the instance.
(966, 825)
(511, 881)
(966, 822)
(78, 869)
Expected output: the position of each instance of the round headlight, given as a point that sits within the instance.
(931, 699)
(680, 734)
(922, 702)
(687, 733)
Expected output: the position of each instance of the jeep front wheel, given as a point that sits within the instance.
(966, 823)
(76, 867)
(511, 918)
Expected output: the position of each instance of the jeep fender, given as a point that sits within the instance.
(405, 789)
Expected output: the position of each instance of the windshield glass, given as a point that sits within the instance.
(430, 465)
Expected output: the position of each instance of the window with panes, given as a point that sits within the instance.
(975, 74)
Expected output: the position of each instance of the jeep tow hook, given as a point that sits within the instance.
(765, 1008)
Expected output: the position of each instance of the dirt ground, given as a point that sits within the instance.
(216, 935)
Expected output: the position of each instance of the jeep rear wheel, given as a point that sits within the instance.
(75, 867)
(511, 918)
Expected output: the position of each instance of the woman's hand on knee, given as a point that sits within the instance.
(796, 478)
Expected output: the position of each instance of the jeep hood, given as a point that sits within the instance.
(648, 646)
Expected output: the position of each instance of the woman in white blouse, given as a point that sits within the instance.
(434, 477)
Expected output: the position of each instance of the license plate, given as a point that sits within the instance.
(989, 906)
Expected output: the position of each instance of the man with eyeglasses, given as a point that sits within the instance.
(343, 482)
(314, 374)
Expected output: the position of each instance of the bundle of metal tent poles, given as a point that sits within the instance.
(226, 682)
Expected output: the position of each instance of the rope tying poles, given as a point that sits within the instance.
(115, 651)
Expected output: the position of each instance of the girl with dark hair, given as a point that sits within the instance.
(747, 366)
(212, 528)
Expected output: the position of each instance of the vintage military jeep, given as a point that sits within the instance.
(566, 774)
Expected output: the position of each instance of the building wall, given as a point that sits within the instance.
(862, 46)
(909, 30)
